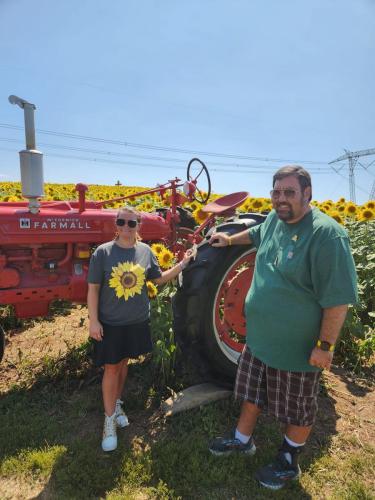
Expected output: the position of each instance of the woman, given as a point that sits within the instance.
(119, 311)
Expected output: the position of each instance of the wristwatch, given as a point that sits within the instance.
(325, 346)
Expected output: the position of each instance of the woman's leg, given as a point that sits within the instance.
(110, 386)
(122, 377)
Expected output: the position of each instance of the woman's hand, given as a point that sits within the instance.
(188, 255)
(96, 330)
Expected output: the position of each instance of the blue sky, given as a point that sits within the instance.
(290, 80)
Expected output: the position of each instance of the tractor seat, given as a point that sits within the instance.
(226, 204)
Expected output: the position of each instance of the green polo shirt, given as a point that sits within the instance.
(300, 269)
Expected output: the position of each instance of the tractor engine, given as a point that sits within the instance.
(45, 256)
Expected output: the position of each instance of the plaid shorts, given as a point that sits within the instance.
(290, 396)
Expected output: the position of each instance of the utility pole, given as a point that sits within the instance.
(352, 157)
(372, 194)
(118, 183)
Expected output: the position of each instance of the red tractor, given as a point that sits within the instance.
(45, 248)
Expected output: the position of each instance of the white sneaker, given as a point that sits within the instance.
(121, 418)
(109, 442)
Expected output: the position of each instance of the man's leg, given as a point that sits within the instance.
(241, 440)
(248, 418)
(298, 402)
(250, 388)
(298, 434)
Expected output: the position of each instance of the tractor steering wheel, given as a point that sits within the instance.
(195, 169)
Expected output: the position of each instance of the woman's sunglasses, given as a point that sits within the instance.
(122, 222)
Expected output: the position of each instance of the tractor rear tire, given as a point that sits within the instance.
(224, 338)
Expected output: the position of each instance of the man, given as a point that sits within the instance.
(304, 280)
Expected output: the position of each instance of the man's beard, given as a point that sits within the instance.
(286, 213)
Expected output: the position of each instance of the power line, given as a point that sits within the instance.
(114, 162)
(146, 157)
(161, 148)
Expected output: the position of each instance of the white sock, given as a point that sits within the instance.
(111, 416)
(293, 443)
(241, 437)
(287, 455)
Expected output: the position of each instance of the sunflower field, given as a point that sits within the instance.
(357, 348)
(340, 210)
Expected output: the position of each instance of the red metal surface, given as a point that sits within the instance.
(229, 319)
(45, 256)
(225, 203)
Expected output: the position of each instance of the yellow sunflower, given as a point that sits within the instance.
(370, 204)
(256, 204)
(127, 279)
(166, 259)
(152, 291)
(158, 248)
(199, 216)
(366, 214)
(194, 205)
(336, 215)
(350, 209)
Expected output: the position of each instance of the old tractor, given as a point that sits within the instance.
(45, 248)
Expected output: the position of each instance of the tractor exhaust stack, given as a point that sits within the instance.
(31, 160)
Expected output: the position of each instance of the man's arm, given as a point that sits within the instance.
(332, 321)
(224, 239)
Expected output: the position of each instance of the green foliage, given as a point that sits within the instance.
(164, 352)
(357, 345)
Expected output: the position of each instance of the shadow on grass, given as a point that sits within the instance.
(52, 431)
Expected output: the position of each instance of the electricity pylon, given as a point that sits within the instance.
(372, 194)
(352, 157)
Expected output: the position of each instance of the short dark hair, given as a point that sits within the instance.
(296, 171)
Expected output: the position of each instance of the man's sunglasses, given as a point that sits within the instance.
(288, 193)
(122, 222)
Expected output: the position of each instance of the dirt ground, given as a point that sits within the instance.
(351, 399)
(354, 398)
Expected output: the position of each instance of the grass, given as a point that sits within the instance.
(50, 426)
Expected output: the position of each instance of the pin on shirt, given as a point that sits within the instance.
(290, 253)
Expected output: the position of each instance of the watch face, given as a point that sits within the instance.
(324, 345)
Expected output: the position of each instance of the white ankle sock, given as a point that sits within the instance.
(293, 443)
(241, 437)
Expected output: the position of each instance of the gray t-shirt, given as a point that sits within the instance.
(122, 274)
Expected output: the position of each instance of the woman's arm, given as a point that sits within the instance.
(95, 327)
(169, 274)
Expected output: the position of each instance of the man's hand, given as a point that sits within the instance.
(219, 240)
(321, 359)
(96, 330)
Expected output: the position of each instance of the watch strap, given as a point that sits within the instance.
(324, 345)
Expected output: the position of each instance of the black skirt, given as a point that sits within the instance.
(120, 342)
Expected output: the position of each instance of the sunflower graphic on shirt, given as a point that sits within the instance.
(127, 279)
